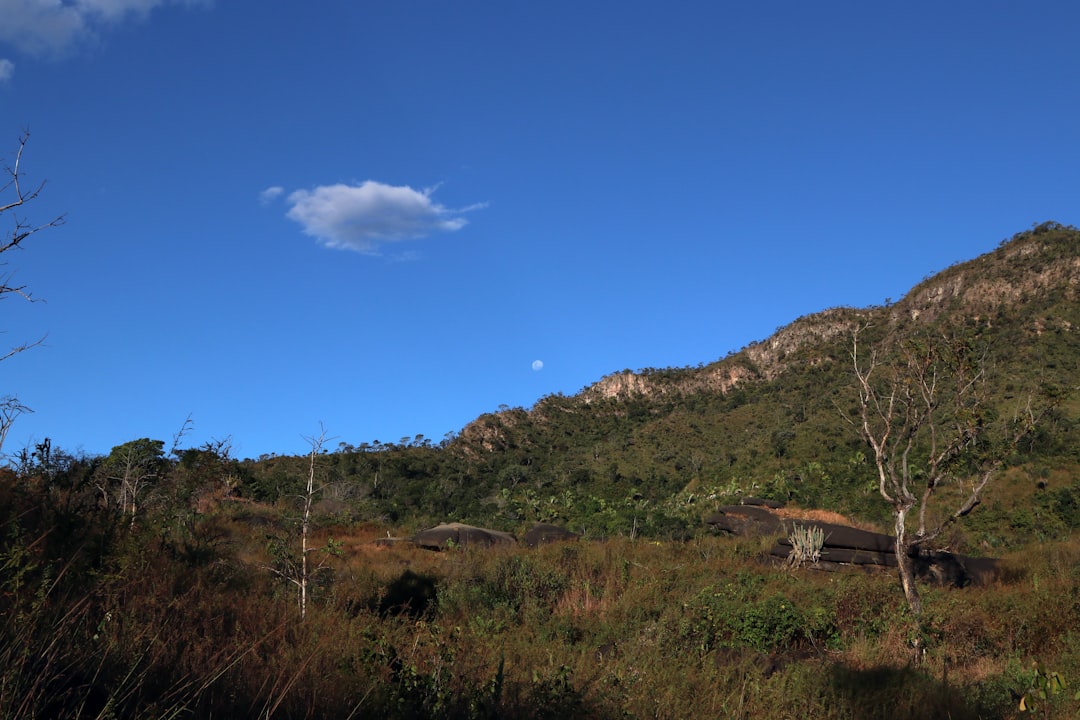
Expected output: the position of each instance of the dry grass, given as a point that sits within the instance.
(825, 516)
(584, 629)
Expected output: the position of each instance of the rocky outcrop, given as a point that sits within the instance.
(457, 535)
(758, 361)
(1038, 262)
(852, 547)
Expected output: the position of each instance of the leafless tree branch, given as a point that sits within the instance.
(14, 184)
(922, 410)
(21, 230)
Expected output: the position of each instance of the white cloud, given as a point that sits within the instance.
(271, 194)
(360, 217)
(41, 27)
(7, 69)
(116, 9)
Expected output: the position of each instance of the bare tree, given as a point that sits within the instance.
(14, 195)
(924, 411)
(300, 571)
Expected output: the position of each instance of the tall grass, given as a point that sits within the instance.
(140, 625)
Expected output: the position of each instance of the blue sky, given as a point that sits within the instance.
(380, 215)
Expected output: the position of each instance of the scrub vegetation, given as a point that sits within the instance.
(164, 581)
(179, 618)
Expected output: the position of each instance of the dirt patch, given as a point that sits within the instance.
(824, 516)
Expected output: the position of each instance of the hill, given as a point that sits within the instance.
(653, 450)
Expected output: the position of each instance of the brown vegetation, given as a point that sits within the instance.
(186, 622)
(827, 516)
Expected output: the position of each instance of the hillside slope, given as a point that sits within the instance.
(653, 450)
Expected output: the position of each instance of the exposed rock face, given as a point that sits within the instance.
(721, 378)
(447, 535)
(744, 521)
(1033, 263)
(1040, 263)
(810, 330)
(759, 361)
(488, 432)
(760, 502)
(621, 384)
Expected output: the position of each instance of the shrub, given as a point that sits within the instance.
(734, 615)
(769, 624)
(806, 544)
(519, 581)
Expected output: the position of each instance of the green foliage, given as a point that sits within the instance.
(1044, 689)
(734, 614)
(144, 454)
(513, 589)
(770, 623)
(517, 581)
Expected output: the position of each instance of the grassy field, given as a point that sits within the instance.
(186, 620)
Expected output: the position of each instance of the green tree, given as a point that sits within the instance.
(128, 471)
(206, 472)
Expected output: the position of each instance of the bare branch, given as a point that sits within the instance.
(870, 405)
(11, 408)
(922, 410)
(22, 348)
(22, 229)
(185, 428)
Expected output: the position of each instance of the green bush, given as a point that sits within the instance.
(519, 581)
(769, 624)
(735, 615)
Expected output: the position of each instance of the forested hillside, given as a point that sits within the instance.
(652, 450)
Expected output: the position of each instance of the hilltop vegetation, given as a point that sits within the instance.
(160, 581)
(653, 451)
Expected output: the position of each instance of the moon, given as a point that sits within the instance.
(537, 365)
